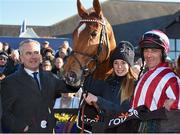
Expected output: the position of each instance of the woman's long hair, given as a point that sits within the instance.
(127, 86)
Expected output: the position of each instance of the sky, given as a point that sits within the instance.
(40, 12)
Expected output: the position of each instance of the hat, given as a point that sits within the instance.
(4, 55)
(124, 51)
(46, 63)
(48, 49)
(45, 42)
(5, 44)
(63, 50)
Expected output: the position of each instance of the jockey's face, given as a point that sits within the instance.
(152, 57)
(121, 67)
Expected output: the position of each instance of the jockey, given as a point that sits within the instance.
(159, 86)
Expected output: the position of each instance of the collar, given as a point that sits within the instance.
(162, 64)
(29, 72)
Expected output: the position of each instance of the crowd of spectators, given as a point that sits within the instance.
(52, 60)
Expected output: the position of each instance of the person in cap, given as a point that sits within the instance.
(7, 48)
(46, 65)
(159, 87)
(3, 63)
(45, 45)
(113, 95)
(28, 95)
(49, 55)
(58, 68)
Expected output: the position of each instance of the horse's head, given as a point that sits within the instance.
(93, 41)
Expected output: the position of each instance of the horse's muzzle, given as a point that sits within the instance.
(71, 78)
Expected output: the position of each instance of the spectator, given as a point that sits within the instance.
(170, 62)
(177, 66)
(13, 63)
(48, 55)
(63, 54)
(159, 86)
(3, 63)
(28, 95)
(67, 100)
(66, 47)
(46, 65)
(7, 48)
(0, 110)
(58, 68)
(45, 45)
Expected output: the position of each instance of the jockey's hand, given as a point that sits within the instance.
(168, 103)
(90, 98)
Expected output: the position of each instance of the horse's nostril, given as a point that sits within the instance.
(71, 77)
(72, 74)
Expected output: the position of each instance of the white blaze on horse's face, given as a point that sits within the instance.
(81, 28)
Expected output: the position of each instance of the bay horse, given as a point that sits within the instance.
(93, 43)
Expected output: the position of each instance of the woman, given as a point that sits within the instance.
(114, 94)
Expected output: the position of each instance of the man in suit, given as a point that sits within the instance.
(28, 94)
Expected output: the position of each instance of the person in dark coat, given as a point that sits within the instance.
(28, 95)
(113, 95)
(0, 109)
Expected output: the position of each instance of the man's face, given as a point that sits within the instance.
(45, 45)
(59, 63)
(152, 57)
(30, 56)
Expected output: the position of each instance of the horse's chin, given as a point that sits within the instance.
(73, 83)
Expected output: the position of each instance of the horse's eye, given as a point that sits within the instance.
(94, 33)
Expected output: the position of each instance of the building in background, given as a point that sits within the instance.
(130, 19)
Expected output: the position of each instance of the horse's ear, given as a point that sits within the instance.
(97, 7)
(81, 10)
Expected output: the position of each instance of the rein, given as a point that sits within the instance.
(82, 106)
(103, 39)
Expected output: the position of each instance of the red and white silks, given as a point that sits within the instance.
(155, 86)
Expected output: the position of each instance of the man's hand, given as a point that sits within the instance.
(168, 103)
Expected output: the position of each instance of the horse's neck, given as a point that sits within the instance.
(103, 71)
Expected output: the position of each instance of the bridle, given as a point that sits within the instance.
(85, 69)
(103, 38)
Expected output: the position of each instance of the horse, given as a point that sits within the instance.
(93, 42)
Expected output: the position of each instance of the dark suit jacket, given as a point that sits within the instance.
(24, 104)
(0, 109)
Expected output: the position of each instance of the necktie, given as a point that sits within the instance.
(36, 79)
